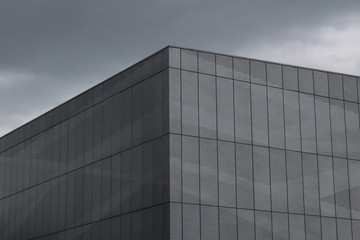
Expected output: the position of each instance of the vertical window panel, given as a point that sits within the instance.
(38, 210)
(12, 217)
(227, 178)
(95, 231)
(259, 115)
(278, 180)
(189, 60)
(175, 221)
(80, 140)
(208, 172)
(338, 128)
(105, 229)
(290, 76)
(274, 75)
(341, 188)
(328, 226)
(261, 178)
(20, 169)
(115, 228)
(62, 203)
(296, 227)
(246, 223)
(224, 66)
(125, 226)
(336, 86)
(326, 181)
(189, 103)
(70, 197)
(27, 165)
(350, 89)
(292, 120)
(356, 229)
(311, 184)
(263, 225)
(295, 182)
(159, 228)
(136, 178)
(354, 177)
(5, 219)
(46, 208)
(323, 125)
(352, 130)
(175, 168)
(106, 129)
(206, 63)
(241, 69)
(88, 139)
(306, 83)
(191, 222)
(276, 118)
(161, 119)
(136, 118)
(116, 115)
(174, 101)
(55, 155)
(87, 203)
(227, 223)
(159, 171)
(105, 187)
(7, 176)
(244, 176)
(207, 106)
(126, 119)
(321, 84)
(242, 112)
(25, 214)
(190, 169)
(2, 174)
(258, 72)
(313, 228)
(79, 197)
(148, 109)
(54, 210)
(225, 109)
(280, 226)
(97, 132)
(33, 167)
(308, 129)
(71, 145)
(125, 193)
(96, 192)
(148, 224)
(147, 174)
(15, 166)
(344, 229)
(209, 223)
(40, 163)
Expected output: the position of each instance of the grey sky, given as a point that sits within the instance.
(52, 50)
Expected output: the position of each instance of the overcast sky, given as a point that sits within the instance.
(51, 50)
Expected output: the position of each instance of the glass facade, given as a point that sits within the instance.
(262, 150)
(190, 145)
(95, 167)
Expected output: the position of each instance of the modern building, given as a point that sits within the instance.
(189, 145)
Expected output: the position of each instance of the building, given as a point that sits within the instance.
(188, 145)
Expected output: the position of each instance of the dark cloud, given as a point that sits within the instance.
(64, 47)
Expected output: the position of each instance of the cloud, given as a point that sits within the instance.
(53, 50)
(332, 47)
(9, 79)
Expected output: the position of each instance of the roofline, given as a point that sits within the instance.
(266, 61)
(179, 47)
